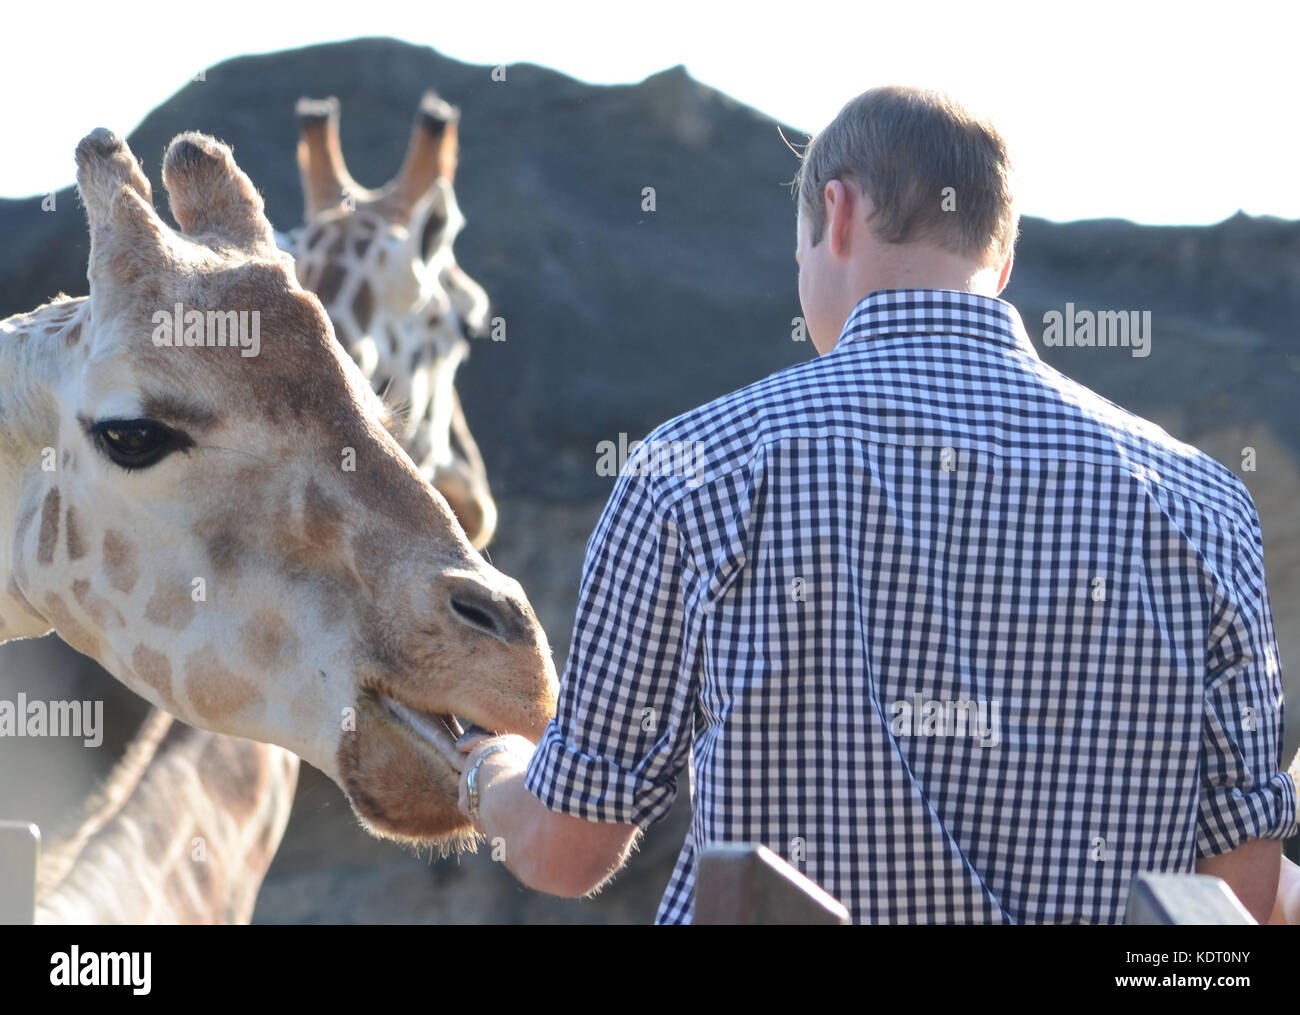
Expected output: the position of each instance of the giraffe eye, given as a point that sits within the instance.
(137, 443)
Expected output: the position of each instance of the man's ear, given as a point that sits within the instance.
(1005, 275)
(840, 209)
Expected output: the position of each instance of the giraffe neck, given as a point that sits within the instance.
(33, 351)
(183, 832)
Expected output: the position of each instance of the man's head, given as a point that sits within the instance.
(904, 189)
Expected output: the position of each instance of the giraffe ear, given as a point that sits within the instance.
(211, 196)
(126, 233)
(431, 155)
(442, 120)
(325, 178)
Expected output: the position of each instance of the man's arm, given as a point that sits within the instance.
(1287, 908)
(1251, 871)
(546, 850)
(1247, 806)
(566, 810)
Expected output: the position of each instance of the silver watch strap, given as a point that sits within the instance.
(471, 780)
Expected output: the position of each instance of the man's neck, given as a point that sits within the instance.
(911, 266)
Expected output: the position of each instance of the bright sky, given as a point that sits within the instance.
(1157, 112)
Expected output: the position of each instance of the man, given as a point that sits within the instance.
(960, 638)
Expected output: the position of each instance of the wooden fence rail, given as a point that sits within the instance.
(20, 852)
(743, 884)
(736, 884)
(747, 884)
(1180, 899)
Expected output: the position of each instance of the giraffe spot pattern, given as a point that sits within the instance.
(49, 527)
(322, 520)
(76, 542)
(68, 627)
(120, 562)
(171, 605)
(215, 691)
(363, 306)
(24, 523)
(269, 642)
(331, 281)
(155, 669)
(99, 610)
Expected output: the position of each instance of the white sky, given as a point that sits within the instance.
(1157, 112)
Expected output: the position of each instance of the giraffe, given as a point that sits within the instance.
(183, 832)
(381, 262)
(350, 620)
(161, 773)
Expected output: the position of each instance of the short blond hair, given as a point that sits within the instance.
(904, 147)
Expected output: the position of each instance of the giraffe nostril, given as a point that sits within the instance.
(489, 610)
(477, 613)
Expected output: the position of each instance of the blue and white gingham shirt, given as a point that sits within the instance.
(957, 637)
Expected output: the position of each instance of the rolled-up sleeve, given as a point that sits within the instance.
(1244, 793)
(624, 721)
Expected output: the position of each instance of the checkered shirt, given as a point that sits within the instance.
(957, 637)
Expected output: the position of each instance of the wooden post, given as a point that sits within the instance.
(20, 851)
(1181, 899)
(745, 884)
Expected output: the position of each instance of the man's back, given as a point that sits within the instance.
(962, 633)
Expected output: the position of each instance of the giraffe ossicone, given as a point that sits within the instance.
(199, 535)
(382, 263)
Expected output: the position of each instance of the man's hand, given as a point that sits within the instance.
(515, 756)
(546, 850)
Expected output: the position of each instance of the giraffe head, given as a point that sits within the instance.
(381, 262)
(239, 537)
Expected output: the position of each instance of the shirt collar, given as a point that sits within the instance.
(937, 312)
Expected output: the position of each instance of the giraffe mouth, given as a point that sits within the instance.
(439, 730)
